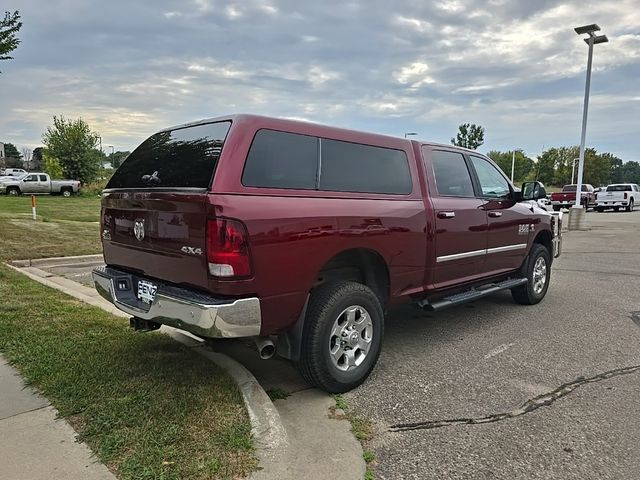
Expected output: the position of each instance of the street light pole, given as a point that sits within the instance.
(591, 41)
(573, 168)
(513, 163)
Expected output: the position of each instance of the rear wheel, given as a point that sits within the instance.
(630, 206)
(342, 336)
(66, 192)
(538, 273)
(14, 191)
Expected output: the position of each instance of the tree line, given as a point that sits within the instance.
(556, 166)
(70, 150)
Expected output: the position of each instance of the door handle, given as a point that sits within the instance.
(495, 214)
(446, 214)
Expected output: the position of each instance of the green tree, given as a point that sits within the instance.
(36, 158)
(9, 27)
(73, 144)
(117, 158)
(545, 169)
(631, 172)
(10, 151)
(522, 164)
(469, 135)
(51, 165)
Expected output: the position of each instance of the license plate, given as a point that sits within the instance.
(146, 291)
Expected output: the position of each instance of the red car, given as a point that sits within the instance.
(301, 235)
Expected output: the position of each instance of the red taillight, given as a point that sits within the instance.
(228, 248)
(625, 195)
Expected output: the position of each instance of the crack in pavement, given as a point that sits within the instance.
(529, 406)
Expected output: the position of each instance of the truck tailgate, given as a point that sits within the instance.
(157, 234)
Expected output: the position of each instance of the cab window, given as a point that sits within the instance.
(492, 182)
(451, 174)
(31, 178)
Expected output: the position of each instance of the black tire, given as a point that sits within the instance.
(630, 206)
(13, 191)
(66, 192)
(616, 209)
(600, 209)
(556, 208)
(326, 305)
(526, 294)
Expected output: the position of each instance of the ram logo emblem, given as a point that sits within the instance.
(138, 229)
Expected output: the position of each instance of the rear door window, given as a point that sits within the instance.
(282, 160)
(452, 175)
(181, 158)
(43, 178)
(353, 167)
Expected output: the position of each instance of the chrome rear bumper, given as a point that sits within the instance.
(197, 313)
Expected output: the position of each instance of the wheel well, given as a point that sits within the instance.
(546, 239)
(358, 265)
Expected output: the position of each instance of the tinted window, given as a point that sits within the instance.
(351, 167)
(185, 157)
(43, 178)
(281, 160)
(619, 188)
(492, 182)
(452, 174)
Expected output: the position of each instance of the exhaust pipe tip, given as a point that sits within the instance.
(266, 347)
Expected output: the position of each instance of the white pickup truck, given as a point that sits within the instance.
(38, 183)
(619, 195)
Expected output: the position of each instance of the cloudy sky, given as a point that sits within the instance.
(516, 67)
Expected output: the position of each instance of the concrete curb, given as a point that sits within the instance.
(43, 262)
(266, 426)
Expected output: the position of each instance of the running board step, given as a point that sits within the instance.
(470, 295)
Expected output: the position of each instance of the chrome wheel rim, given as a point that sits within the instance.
(350, 338)
(539, 275)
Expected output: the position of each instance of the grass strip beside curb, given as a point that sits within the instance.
(145, 404)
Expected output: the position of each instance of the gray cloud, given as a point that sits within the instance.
(515, 67)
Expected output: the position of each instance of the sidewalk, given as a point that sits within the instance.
(34, 444)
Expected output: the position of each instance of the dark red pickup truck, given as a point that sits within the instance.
(567, 197)
(301, 235)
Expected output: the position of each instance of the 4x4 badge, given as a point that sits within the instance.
(138, 229)
(191, 250)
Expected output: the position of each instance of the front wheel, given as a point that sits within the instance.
(342, 336)
(630, 206)
(538, 272)
(14, 192)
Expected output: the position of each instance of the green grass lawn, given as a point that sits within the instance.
(148, 407)
(64, 226)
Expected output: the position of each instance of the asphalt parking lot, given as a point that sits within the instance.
(497, 390)
(491, 357)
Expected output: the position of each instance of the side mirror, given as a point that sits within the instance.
(533, 191)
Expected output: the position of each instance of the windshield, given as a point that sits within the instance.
(619, 188)
(180, 158)
(572, 188)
